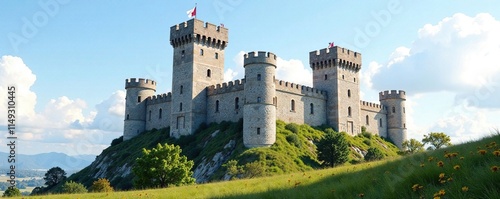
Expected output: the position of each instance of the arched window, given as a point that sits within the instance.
(201, 52)
(217, 106)
(182, 89)
(393, 109)
(348, 92)
(367, 120)
(209, 73)
(292, 104)
(216, 55)
(180, 106)
(236, 103)
(342, 76)
(354, 79)
(160, 113)
(311, 107)
(349, 111)
(258, 77)
(149, 115)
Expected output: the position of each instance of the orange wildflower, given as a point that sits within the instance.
(494, 168)
(430, 159)
(465, 188)
(482, 152)
(440, 164)
(456, 167)
(496, 153)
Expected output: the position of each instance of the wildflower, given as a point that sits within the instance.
(447, 155)
(440, 164)
(456, 167)
(462, 158)
(494, 168)
(437, 197)
(496, 153)
(465, 188)
(361, 195)
(442, 181)
(415, 187)
(441, 175)
(422, 164)
(440, 193)
(482, 152)
(430, 159)
(450, 179)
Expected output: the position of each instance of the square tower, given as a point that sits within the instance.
(336, 71)
(198, 62)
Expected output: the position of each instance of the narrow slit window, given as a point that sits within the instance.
(367, 120)
(160, 113)
(201, 52)
(349, 111)
(209, 73)
(258, 131)
(258, 77)
(217, 106)
(181, 89)
(380, 122)
(216, 55)
(139, 99)
(292, 105)
(393, 109)
(180, 106)
(311, 107)
(236, 103)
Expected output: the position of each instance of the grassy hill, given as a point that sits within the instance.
(464, 171)
(216, 144)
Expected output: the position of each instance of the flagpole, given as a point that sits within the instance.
(195, 5)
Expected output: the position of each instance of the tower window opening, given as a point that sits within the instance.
(181, 89)
(349, 111)
(201, 52)
(182, 53)
(258, 99)
(393, 109)
(128, 116)
(404, 125)
(292, 104)
(326, 77)
(139, 99)
(354, 79)
(380, 122)
(209, 73)
(258, 131)
(217, 106)
(216, 55)
(180, 106)
(258, 77)
(160, 113)
(149, 116)
(237, 103)
(348, 92)
(367, 120)
(311, 107)
(342, 76)
(404, 111)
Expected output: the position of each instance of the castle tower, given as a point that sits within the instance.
(394, 103)
(336, 71)
(259, 111)
(198, 63)
(135, 105)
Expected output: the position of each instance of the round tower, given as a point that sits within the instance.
(394, 103)
(138, 90)
(259, 112)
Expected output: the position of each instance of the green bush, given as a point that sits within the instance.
(373, 154)
(366, 135)
(367, 142)
(293, 127)
(294, 140)
(12, 192)
(73, 187)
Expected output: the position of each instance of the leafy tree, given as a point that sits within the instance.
(254, 169)
(54, 176)
(37, 191)
(11, 192)
(162, 166)
(101, 185)
(374, 154)
(73, 187)
(437, 139)
(412, 146)
(333, 149)
(233, 169)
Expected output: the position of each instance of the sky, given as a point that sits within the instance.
(69, 59)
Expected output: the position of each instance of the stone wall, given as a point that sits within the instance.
(374, 118)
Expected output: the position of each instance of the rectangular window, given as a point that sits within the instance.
(216, 55)
(258, 131)
(201, 52)
(139, 99)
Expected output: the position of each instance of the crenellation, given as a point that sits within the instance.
(226, 87)
(160, 98)
(298, 89)
(371, 106)
(259, 57)
(198, 31)
(393, 94)
(335, 56)
(140, 83)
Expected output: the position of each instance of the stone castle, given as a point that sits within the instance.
(199, 95)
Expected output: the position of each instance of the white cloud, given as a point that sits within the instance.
(110, 113)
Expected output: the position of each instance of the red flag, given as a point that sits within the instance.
(331, 45)
(191, 13)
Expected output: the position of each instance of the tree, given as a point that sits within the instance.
(437, 139)
(73, 187)
(333, 149)
(54, 176)
(412, 146)
(11, 192)
(37, 191)
(374, 154)
(101, 185)
(161, 167)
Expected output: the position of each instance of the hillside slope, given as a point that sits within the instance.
(215, 145)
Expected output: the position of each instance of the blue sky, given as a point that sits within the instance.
(70, 58)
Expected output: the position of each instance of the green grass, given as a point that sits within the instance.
(390, 178)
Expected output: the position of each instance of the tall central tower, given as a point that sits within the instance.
(336, 70)
(198, 63)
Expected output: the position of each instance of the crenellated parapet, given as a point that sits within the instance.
(158, 99)
(393, 94)
(199, 32)
(261, 57)
(364, 105)
(335, 57)
(226, 87)
(140, 83)
(299, 89)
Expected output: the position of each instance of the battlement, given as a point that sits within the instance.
(335, 56)
(226, 87)
(158, 99)
(261, 57)
(200, 32)
(393, 94)
(371, 106)
(299, 89)
(140, 83)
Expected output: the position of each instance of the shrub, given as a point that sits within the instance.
(101, 185)
(73, 187)
(366, 135)
(367, 142)
(292, 127)
(294, 139)
(11, 192)
(373, 154)
(117, 141)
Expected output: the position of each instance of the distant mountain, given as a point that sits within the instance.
(46, 161)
